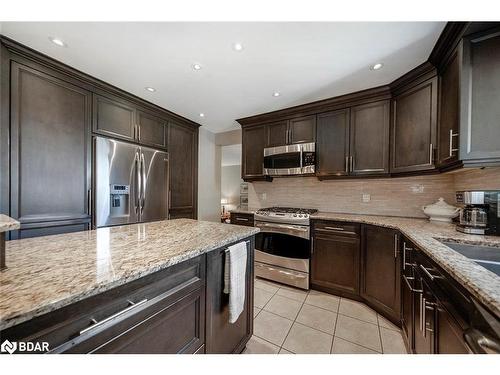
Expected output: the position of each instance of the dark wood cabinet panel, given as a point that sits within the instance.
(449, 111)
(222, 336)
(50, 148)
(277, 134)
(152, 130)
(380, 270)
(450, 338)
(182, 213)
(369, 138)
(114, 118)
(335, 262)
(480, 109)
(183, 155)
(332, 145)
(414, 128)
(253, 144)
(239, 218)
(302, 130)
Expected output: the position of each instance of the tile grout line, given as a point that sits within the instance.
(335, 327)
(303, 302)
(380, 336)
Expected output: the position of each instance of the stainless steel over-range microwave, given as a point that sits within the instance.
(290, 160)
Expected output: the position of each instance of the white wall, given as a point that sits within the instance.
(209, 177)
(230, 185)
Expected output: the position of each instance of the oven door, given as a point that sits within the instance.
(283, 245)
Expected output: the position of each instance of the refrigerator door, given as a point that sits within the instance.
(154, 190)
(117, 182)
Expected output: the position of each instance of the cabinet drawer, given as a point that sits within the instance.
(86, 325)
(242, 219)
(336, 227)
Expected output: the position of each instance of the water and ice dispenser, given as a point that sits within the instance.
(119, 199)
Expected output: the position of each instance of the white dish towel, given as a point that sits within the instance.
(234, 278)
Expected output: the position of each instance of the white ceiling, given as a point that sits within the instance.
(304, 61)
(231, 155)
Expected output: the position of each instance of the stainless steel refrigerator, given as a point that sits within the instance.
(131, 183)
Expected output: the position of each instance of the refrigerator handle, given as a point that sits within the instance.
(137, 197)
(143, 170)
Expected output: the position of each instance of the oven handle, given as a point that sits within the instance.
(293, 230)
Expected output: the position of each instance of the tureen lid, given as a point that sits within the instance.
(441, 205)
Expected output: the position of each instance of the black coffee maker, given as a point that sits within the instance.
(480, 213)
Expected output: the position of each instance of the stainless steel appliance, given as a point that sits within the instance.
(480, 213)
(283, 245)
(131, 183)
(290, 160)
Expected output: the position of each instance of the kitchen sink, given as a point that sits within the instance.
(486, 256)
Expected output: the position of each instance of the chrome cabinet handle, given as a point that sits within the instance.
(426, 305)
(395, 246)
(407, 281)
(139, 132)
(334, 228)
(241, 219)
(426, 271)
(431, 153)
(404, 255)
(347, 164)
(451, 142)
(96, 324)
(421, 313)
(89, 201)
(352, 163)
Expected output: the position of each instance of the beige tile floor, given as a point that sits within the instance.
(289, 320)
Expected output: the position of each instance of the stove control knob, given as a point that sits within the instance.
(294, 215)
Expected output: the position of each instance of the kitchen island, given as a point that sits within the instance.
(141, 288)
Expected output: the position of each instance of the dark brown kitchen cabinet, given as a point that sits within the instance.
(222, 336)
(49, 152)
(240, 218)
(424, 317)
(449, 111)
(414, 127)
(151, 130)
(450, 338)
(296, 130)
(183, 177)
(407, 291)
(253, 144)
(114, 117)
(277, 134)
(369, 139)
(332, 145)
(480, 92)
(335, 258)
(380, 270)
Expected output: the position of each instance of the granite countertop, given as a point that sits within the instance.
(7, 223)
(47, 273)
(483, 284)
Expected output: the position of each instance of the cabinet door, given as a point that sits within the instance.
(253, 143)
(450, 338)
(424, 321)
(380, 269)
(407, 309)
(480, 92)
(50, 151)
(113, 117)
(332, 146)
(369, 138)
(152, 130)
(449, 109)
(222, 336)
(335, 264)
(414, 128)
(302, 130)
(277, 134)
(183, 155)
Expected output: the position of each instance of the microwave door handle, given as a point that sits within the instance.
(301, 161)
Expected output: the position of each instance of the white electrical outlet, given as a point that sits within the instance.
(366, 198)
(263, 196)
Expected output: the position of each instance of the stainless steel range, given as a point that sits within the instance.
(283, 245)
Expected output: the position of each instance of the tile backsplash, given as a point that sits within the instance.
(403, 196)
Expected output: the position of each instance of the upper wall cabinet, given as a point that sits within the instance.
(480, 100)
(354, 141)
(118, 118)
(297, 130)
(449, 111)
(414, 127)
(253, 143)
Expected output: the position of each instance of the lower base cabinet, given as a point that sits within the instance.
(181, 309)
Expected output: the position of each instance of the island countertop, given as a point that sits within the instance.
(7, 223)
(427, 235)
(47, 273)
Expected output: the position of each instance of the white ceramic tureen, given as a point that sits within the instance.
(441, 211)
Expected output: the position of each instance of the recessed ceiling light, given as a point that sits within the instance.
(150, 89)
(202, 115)
(238, 47)
(57, 41)
(377, 66)
(276, 94)
(196, 66)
